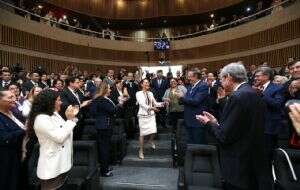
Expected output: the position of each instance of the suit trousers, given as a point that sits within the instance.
(271, 143)
(104, 143)
(174, 116)
(161, 117)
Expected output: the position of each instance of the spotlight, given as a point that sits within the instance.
(165, 21)
(212, 15)
(248, 9)
(64, 16)
(40, 6)
(141, 23)
(108, 23)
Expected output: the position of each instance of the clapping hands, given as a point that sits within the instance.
(206, 117)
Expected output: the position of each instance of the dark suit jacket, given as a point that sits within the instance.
(240, 134)
(1, 85)
(159, 90)
(104, 112)
(274, 100)
(67, 99)
(91, 88)
(132, 90)
(11, 138)
(195, 102)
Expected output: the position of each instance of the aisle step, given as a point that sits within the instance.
(149, 161)
(141, 178)
(163, 147)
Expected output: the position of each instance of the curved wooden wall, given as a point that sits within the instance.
(16, 38)
(30, 63)
(139, 9)
(275, 45)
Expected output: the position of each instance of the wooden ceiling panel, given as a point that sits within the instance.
(141, 9)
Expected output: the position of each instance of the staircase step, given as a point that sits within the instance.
(163, 147)
(159, 136)
(138, 178)
(148, 161)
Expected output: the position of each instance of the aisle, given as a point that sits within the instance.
(155, 172)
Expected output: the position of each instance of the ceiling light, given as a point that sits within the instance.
(248, 9)
(212, 15)
(165, 21)
(64, 16)
(40, 6)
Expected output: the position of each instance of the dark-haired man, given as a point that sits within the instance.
(195, 102)
(159, 85)
(5, 79)
(33, 82)
(70, 96)
(271, 95)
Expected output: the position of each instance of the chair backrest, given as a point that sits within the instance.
(118, 126)
(85, 153)
(201, 166)
(89, 130)
(32, 166)
(287, 168)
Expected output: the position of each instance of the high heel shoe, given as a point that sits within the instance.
(153, 146)
(141, 155)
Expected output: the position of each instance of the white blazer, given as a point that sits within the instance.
(141, 99)
(55, 136)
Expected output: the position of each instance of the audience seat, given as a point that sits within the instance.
(181, 142)
(201, 169)
(89, 130)
(84, 174)
(283, 172)
(33, 180)
(119, 142)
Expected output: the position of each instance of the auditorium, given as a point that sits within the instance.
(149, 95)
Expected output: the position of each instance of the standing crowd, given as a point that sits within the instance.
(248, 113)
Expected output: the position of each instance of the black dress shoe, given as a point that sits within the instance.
(108, 174)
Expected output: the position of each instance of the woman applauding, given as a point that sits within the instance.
(55, 136)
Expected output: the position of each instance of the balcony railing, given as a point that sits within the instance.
(113, 36)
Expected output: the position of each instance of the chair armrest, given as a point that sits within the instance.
(181, 180)
(91, 174)
(200, 147)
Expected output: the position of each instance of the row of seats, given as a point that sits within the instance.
(200, 168)
(118, 140)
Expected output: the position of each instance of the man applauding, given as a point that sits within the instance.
(240, 133)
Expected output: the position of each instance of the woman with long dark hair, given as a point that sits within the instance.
(55, 136)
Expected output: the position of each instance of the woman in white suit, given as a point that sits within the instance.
(146, 115)
(55, 136)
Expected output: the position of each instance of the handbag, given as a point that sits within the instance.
(294, 141)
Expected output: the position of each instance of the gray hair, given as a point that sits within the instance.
(236, 70)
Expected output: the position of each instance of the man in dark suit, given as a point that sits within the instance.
(195, 102)
(240, 133)
(273, 98)
(69, 96)
(159, 85)
(33, 82)
(130, 107)
(5, 79)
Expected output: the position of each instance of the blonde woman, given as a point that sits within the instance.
(104, 110)
(146, 115)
